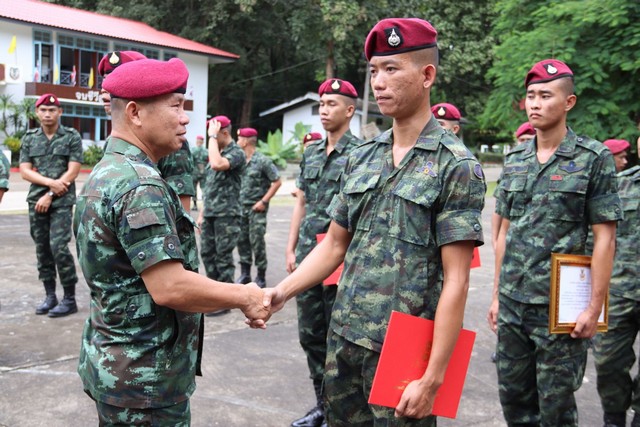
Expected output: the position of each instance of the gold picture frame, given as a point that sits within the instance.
(570, 293)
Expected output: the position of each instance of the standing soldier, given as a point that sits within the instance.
(220, 216)
(618, 148)
(613, 351)
(321, 171)
(448, 116)
(200, 157)
(551, 190)
(50, 158)
(260, 182)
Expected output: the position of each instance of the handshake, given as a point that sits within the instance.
(260, 304)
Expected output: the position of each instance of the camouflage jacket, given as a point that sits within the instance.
(51, 159)
(400, 217)
(5, 170)
(134, 353)
(257, 178)
(320, 177)
(177, 169)
(222, 188)
(550, 207)
(200, 158)
(625, 279)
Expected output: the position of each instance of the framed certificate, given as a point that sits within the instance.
(571, 292)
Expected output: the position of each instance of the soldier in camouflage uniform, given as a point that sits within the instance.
(405, 222)
(50, 158)
(177, 170)
(220, 217)
(448, 116)
(320, 176)
(551, 189)
(5, 169)
(200, 158)
(260, 183)
(136, 246)
(613, 351)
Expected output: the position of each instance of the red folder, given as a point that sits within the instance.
(405, 356)
(335, 276)
(475, 261)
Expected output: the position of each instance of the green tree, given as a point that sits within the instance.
(600, 41)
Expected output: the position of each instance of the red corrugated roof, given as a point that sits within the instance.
(67, 18)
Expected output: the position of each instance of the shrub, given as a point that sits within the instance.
(491, 158)
(278, 151)
(93, 155)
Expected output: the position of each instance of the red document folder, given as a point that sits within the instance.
(405, 356)
(335, 276)
(475, 261)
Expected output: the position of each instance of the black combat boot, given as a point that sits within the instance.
(50, 299)
(615, 419)
(245, 274)
(315, 417)
(260, 279)
(68, 304)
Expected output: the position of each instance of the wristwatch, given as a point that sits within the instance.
(214, 136)
(51, 194)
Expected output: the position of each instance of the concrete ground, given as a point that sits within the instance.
(251, 378)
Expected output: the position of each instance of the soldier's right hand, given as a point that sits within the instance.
(59, 187)
(255, 308)
(291, 262)
(492, 316)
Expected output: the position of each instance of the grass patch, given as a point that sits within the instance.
(491, 186)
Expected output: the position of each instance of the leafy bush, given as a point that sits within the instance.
(13, 144)
(491, 158)
(92, 155)
(278, 151)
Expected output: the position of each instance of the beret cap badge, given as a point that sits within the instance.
(114, 58)
(335, 85)
(393, 37)
(441, 111)
(551, 69)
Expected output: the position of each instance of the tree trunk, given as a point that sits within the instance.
(331, 62)
(247, 105)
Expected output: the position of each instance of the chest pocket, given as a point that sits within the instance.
(37, 150)
(357, 189)
(412, 209)
(514, 187)
(311, 173)
(61, 147)
(631, 214)
(567, 198)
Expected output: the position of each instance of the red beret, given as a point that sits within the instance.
(247, 132)
(546, 71)
(224, 121)
(338, 87)
(617, 145)
(48, 99)
(114, 59)
(445, 111)
(312, 136)
(525, 129)
(199, 137)
(398, 35)
(147, 78)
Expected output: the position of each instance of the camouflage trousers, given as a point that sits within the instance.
(614, 357)
(218, 238)
(51, 233)
(176, 415)
(314, 313)
(253, 227)
(347, 384)
(198, 178)
(538, 372)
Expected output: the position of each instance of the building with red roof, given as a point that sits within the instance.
(49, 48)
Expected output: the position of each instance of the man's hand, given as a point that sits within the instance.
(259, 206)
(416, 401)
(43, 203)
(492, 316)
(214, 128)
(59, 187)
(290, 259)
(256, 307)
(586, 324)
(274, 298)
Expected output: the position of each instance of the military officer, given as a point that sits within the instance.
(524, 133)
(448, 116)
(551, 190)
(310, 138)
(200, 157)
(220, 217)
(405, 222)
(137, 249)
(260, 183)
(618, 148)
(50, 159)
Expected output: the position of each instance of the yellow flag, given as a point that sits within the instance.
(91, 78)
(56, 74)
(12, 46)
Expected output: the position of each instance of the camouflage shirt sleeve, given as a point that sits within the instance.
(603, 202)
(4, 172)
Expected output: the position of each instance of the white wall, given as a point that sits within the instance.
(22, 57)
(198, 87)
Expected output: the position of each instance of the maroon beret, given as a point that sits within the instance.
(525, 129)
(398, 35)
(48, 99)
(114, 59)
(445, 111)
(147, 78)
(199, 137)
(247, 132)
(338, 87)
(224, 121)
(617, 145)
(311, 136)
(546, 71)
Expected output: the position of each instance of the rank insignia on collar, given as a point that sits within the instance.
(571, 167)
(394, 38)
(428, 170)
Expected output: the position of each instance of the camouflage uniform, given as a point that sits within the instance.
(5, 169)
(177, 170)
(134, 353)
(221, 224)
(613, 351)
(200, 158)
(399, 217)
(51, 231)
(260, 172)
(320, 178)
(550, 207)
